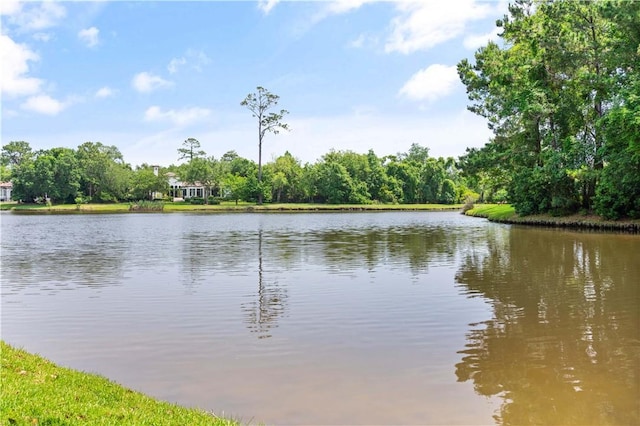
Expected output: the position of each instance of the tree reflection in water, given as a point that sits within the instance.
(563, 346)
(263, 313)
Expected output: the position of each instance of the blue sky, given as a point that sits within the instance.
(145, 76)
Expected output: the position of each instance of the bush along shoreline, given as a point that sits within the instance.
(505, 213)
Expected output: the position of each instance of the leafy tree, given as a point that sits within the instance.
(15, 153)
(417, 153)
(486, 169)
(234, 186)
(546, 92)
(334, 183)
(203, 170)
(50, 174)
(145, 183)
(104, 174)
(66, 175)
(259, 103)
(432, 176)
(405, 179)
(448, 192)
(286, 174)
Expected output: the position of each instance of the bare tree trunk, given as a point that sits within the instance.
(260, 164)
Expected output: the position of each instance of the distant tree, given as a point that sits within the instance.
(104, 174)
(15, 153)
(259, 104)
(190, 150)
(286, 174)
(203, 170)
(417, 153)
(145, 183)
(51, 174)
(233, 186)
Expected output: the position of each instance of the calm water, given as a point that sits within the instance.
(358, 318)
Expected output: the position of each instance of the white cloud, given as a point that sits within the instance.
(105, 92)
(175, 63)
(267, 5)
(344, 6)
(44, 104)
(10, 7)
(36, 16)
(195, 59)
(145, 82)
(89, 36)
(180, 117)
(431, 83)
(423, 25)
(335, 7)
(14, 79)
(473, 42)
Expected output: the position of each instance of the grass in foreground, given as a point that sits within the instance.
(35, 391)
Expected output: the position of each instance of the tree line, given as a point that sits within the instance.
(561, 92)
(94, 172)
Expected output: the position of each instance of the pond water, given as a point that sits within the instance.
(337, 318)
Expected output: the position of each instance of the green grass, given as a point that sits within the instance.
(506, 214)
(492, 211)
(34, 391)
(229, 206)
(7, 205)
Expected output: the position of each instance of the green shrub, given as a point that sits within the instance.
(196, 200)
(146, 206)
(618, 192)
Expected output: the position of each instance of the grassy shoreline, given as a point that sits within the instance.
(36, 391)
(505, 213)
(225, 207)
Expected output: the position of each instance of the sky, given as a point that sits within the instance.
(145, 76)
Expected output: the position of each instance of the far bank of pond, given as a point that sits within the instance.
(501, 213)
(222, 207)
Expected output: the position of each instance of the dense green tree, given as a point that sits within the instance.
(233, 186)
(15, 153)
(486, 170)
(416, 153)
(342, 178)
(406, 177)
(286, 174)
(204, 171)
(66, 175)
(146, 184)
(104, 174)
(49, 175)
(546, 91)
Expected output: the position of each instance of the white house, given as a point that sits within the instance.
(5, 191)
(179, 190)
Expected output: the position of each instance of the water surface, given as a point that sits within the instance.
(334, 318)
